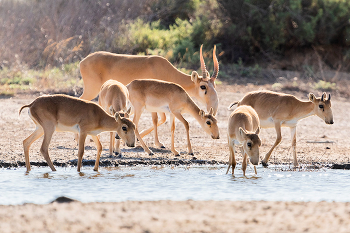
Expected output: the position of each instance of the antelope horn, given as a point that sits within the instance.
(329, 96)
(203, 68)
(323, 95)
(216, 65)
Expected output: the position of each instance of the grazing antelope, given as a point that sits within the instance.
(99, 67)
(283, 110)
(243, 130)
(161, 96)
(113, 98)
(64, 113)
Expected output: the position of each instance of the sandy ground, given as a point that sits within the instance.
(316, 143)
(172, 216)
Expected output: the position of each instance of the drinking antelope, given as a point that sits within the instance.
(161, 96)
(283, 110)
(243, 131)
(64, 113)
(99, 67)
(113, 98)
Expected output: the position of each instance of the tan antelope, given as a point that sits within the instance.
(99, 67)
(113, 98)
(282, 110)
(64, 113)
(243, 131)
(161, 96)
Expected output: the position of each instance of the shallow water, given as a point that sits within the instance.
(42, 186)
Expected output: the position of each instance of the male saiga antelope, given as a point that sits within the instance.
(279, 110)
(64, 113)
(243, 131)
(161, 96)
(113, 98)
(99, 67)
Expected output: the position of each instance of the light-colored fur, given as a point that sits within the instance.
(99, 67)
(243, 131)
(64, 113)
(113, 98)
(282, 110)
(161, 96)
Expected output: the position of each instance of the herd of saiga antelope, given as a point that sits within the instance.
(154, 84)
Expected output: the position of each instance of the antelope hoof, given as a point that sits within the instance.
(163, 147)
(117, 136)
(264, 164)
(177, 155)
(191, 153)
(150, 153)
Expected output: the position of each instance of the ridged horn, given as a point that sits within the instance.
(329, 96)
(216, 65)
(203, 68)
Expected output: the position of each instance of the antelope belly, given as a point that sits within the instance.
(64, 128)
(163, 108)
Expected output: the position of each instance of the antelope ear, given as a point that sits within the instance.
(128, 112)
(242, 132)
(201, 113)
(312, 97)
(257, 130)
(117, 116)
(194, 77)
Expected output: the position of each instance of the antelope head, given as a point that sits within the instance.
(251, 144)
(322, 107)
(126, 129)
(209, 123)
(205, 85)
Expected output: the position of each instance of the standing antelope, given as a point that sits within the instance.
(64, 113)
(279, 110)
(161, 96)
(243, 130)
(113, 98)
(99, 67)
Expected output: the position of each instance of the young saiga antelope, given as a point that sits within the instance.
(282, 110)
(113, 98)
(161, 96)
(101, 66)
(64, 113)
(243, 131)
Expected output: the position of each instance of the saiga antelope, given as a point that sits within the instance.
(64, 113)
(161, 96)
(279, 110)
(113, 98)
(243, 131)
(99, 67)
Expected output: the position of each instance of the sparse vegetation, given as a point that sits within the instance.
(41, 42)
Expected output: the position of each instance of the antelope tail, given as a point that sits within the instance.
(25, 106)
(231, 105)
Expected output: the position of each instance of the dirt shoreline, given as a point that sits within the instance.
(178, 216)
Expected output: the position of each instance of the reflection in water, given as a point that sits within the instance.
(171, 183)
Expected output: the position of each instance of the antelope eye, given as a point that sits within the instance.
(249, 144)
(203, 87)
(124, 128)
(208, 123)
(320, 106)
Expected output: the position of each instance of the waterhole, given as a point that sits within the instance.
(41, 186)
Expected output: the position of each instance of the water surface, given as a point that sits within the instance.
(42, 186)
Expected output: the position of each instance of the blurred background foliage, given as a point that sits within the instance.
(309, 35)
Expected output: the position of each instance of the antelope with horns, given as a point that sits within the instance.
(99, 67)
(282, 110)
(64, 113)
(243, 131)
(113, 98)
(161, 96)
